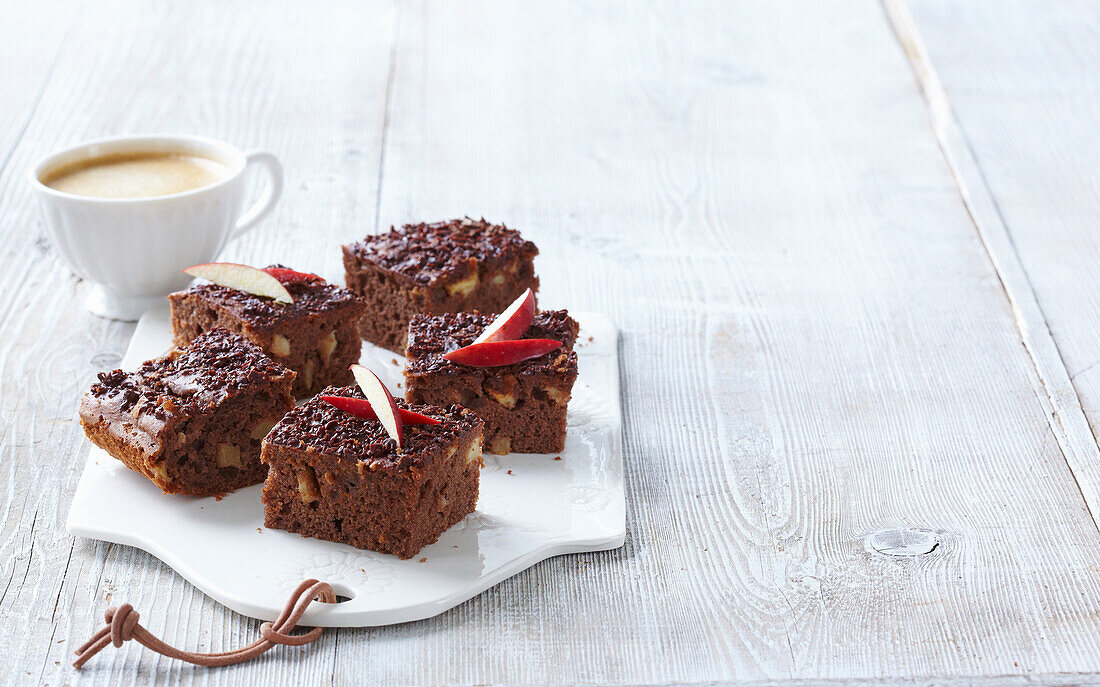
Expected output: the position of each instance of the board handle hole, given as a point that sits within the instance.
(343, 593)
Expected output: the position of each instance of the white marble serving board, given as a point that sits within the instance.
(531, 507)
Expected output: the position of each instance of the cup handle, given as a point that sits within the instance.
(269, 164)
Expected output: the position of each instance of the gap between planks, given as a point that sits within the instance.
(387, 113)
(1057, 395)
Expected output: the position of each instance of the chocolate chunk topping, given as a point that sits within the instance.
(191, 380)
(260, 312)
(326, 429)
(433, 336)
(431, 253)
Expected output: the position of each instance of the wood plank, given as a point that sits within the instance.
(816, 350)
(308, 86)
(821, 370)
(28, 56)
(1020, 78)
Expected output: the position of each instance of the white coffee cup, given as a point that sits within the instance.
(132, 250)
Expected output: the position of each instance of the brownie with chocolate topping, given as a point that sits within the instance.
(453, 266)
(315, 335)
(523, 404)
(339, 477)
(191, 421)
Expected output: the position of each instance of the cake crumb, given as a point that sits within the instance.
(393, 360)
(423, 559)
(260, 530)
(509, 472)
(590, 339)
(557, 457)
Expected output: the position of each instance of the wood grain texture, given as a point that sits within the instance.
(806, 307)
(277, 77)
(842, 463)
(1018, 83)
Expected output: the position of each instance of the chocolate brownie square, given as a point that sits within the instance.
(192, 421)
(454, 266)
(315, 335)
(523, 404)
(339, 477)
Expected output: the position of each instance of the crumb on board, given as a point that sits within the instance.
(423, 560)
(393, 360)
(509, 472)
(557, 457)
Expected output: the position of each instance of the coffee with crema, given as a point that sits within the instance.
(137, 175)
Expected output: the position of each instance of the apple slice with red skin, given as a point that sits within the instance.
(497, 353)
(286, 275)
(513, 322)
(381, 400)
(362, 408)
(242, 278)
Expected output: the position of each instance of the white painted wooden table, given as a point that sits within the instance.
(853, 249)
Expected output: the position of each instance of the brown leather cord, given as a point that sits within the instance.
(122, 625)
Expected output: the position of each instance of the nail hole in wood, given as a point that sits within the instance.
(902, 542)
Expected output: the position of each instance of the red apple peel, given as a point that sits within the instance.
(513, 322)
(497, 353)
(285, 275)
(381, 400)
(360, 407)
